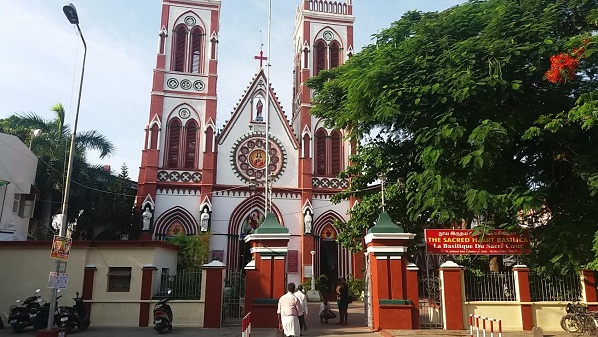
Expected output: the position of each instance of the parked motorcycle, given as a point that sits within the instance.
(163, 315)
(20, 314)
(39, 316)
(75, 316)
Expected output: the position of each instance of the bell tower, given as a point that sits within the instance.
(323, 39)
(178, 152)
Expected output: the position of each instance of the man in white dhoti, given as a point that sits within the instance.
(288, 311)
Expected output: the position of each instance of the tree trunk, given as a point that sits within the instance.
(494, 263)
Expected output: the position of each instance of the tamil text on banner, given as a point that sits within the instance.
(463, 242)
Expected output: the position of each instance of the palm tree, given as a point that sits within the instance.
(51, 146)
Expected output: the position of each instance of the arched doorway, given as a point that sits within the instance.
(329, 257)
(252, 221)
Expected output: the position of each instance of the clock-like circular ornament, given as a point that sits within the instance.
(190, 21)
(249, 157)
(184, 113)
(328, 35)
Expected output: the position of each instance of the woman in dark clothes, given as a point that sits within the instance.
(342, 296)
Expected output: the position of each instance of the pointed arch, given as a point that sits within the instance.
(154, 133)
(321, 223)
(321, 155)
(179, 42)
(173, 139)
(175, 214)
(191, 146)
(196, 52)
(320, 57)
(327, 218)
(335, 54)
(240, 212)
(336, 152)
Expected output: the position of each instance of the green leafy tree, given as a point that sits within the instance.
(464, 111)
(51, 146)
(194, 250)
(107, 201)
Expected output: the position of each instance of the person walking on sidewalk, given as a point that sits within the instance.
(304, 313)
(342, 301)
(288, 313)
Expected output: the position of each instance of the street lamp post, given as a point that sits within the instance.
(313, 274)
(382, 178)
(71, 14)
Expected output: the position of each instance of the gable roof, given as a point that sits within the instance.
(276, 113)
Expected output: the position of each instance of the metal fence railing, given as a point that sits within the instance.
(490, 287)
(184, 285)
(555, 288)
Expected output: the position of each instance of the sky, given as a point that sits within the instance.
(41, 57)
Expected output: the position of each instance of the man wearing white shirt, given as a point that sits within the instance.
(288, 311)
(304, 312)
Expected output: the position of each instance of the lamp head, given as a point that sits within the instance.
(71, 13)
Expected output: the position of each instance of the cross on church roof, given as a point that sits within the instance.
(262, 58)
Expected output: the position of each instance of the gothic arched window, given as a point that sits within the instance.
(320, 59)
(174, 137)
(335, 54)
(154, 137)
(190, 144)
(179, 43)
(321, 152)
(306, 144)
(195, 50)
(336, 152)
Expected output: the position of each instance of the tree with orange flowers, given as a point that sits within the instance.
(474, 115)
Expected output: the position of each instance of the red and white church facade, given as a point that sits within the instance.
(195, 178)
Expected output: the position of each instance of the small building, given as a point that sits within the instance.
(18, 166)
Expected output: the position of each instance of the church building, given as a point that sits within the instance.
(196, 178)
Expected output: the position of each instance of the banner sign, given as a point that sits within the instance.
(463, 242)
(61, 247)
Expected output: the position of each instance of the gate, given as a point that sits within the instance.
(430, 301)
(367, 298)
(233, 307)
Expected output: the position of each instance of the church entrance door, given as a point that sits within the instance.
(329, 266)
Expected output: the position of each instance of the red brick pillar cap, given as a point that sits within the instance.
(214, 264)
(519, 266)
(450, 265)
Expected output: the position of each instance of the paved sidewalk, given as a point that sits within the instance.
(464, 333)
(356, 328)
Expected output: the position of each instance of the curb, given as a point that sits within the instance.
(384, 333)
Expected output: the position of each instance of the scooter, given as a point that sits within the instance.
(39, 316)
(163, 315)
(75, 316)
(20, 315)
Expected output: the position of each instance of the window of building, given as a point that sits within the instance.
(174, 136)
(336, 152)
(179, 43)
(23, 205)
(154, 137)
(190, 144)
(321, 152)
(335, 53)
(195, 51)
(320, 58)
(119, 279)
